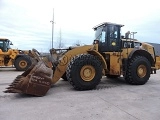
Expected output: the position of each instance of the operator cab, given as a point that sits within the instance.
(5, 44)
(108, 37)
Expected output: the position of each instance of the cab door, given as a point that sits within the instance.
(110, 39)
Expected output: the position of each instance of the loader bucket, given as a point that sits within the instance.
(34, 81)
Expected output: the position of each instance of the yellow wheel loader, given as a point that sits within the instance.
(9, 57)
(110, 55)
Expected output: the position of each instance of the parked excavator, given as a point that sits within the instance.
(110, 55)
(20, 59)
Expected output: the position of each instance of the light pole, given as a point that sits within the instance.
(52, 21)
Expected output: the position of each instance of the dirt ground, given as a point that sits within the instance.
(113, 99)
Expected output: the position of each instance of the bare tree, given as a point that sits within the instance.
(77, 43)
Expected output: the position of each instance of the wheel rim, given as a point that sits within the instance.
(22, 63)
(141, 71)
(87, 73)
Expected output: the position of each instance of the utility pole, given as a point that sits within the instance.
(52, 21)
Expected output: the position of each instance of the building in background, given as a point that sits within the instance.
(157, 48)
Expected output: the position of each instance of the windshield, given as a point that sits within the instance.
(98, 33)
(1, 44)
(8, 43)
(5, 45)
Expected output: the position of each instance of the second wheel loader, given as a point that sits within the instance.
(20, 59)
(110, 55)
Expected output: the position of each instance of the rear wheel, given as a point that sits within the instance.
(22, 63)
(138, 71)
(84, 72)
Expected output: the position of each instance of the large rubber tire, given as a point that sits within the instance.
(22, 63)
(84, 72)
(112, 76)
(138, 71)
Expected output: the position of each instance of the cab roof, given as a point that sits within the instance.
(106, 23)
(4, 39)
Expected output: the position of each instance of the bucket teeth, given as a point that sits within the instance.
(12, 91)
(16, 80)
(9, 87)
(13, 84)
(6, 91)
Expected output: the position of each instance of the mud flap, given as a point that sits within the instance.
(34, 81)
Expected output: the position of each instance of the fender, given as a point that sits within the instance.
(96, 53)
(144, 53)
(20, 55)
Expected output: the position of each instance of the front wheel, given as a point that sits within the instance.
(84, 72)
(138, 71)
(22, 63)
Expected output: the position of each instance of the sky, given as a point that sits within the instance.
(27, 22)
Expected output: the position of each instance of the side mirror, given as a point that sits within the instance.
(11, 43)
